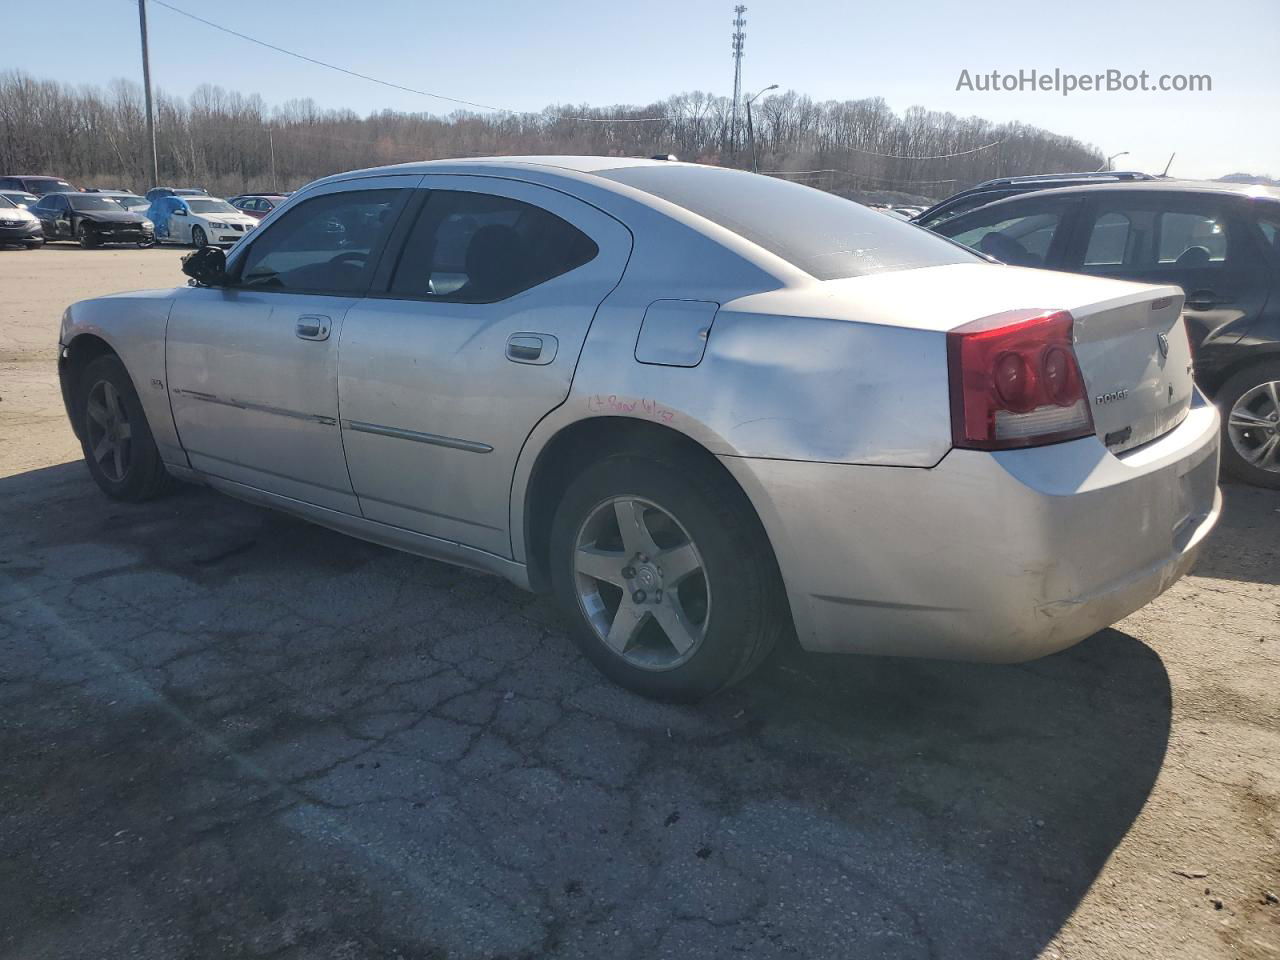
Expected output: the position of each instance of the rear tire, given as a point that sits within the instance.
(693, 612)
(1250, 406)
(118, 446)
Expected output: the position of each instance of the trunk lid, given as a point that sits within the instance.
(1135, 358)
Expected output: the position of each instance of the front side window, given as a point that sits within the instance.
(479, 248)
(1022, 240)
(323, 245)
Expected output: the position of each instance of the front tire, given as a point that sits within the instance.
(1250, 405)
(665, 575)
(85, 236)
(118, 446)
(198, 238)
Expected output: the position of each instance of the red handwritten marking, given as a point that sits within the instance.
(641, 407)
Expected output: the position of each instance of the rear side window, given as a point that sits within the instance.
(826, 236)
(1145, 236)
(480, 248)
(324, 245)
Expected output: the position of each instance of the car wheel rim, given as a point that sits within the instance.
(109, 431)
(641, 583)
(1254, 426)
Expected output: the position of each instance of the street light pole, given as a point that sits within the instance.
(1107, 166)
(146, 84)
(751, 135)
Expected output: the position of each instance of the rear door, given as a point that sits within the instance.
(471, 336)
(1199, 242)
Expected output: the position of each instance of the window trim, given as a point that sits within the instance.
(377, 253)
(380, 289)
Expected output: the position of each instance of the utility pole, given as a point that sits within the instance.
(271, 142)
(751, 136)
(146, 84)
(739, 37)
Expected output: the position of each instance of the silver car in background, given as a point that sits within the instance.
(703, 407)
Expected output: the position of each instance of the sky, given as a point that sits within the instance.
(524, 56)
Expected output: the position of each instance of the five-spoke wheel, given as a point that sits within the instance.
(641, 584)
(109, 430)
(118, 447)
(664, 573)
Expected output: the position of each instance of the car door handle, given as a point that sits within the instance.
(535, 348)
(312, 327)
(1202, 300)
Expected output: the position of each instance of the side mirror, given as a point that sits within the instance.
(180, 212)
(207, 267)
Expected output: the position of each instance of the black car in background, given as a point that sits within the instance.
(1219, 242)
(92, 220)
(1000, 189)
(37, 185)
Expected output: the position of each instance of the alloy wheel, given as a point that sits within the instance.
(1254, 426)
(110, 433)
(641, 583)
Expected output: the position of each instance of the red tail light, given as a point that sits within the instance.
(1015, 382)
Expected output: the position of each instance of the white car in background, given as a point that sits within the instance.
(198, 221)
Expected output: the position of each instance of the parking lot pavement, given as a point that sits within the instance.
(224, 732)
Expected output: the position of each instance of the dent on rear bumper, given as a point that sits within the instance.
(997, 557)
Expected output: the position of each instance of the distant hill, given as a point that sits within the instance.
(1250, 178)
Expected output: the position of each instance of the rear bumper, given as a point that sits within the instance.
(988, 556)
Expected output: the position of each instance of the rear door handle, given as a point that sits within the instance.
(535, 348)
(312, 327)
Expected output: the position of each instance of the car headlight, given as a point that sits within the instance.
(148, 225)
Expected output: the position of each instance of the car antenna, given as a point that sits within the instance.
(1169, 164)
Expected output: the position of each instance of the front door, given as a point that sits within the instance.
(253, 365)
(465, 345)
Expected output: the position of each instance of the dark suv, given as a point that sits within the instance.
(37, 185)
(1005, 187)
(1219, 242)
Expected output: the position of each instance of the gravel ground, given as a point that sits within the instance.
(225, 733)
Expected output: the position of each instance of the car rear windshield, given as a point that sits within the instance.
(826, 236)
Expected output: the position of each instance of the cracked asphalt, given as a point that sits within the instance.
(227, 733)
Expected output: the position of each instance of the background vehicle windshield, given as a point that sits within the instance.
(826, 236)
(131, 203)
(22, 199)
(80, 202)
(210, 206)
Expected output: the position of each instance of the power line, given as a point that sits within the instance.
(388, 83)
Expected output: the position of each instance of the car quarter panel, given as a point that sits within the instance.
(999, 557)
(133, 325)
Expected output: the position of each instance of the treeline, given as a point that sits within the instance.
(229, 142)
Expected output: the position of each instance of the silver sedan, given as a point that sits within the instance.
(705, 408)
